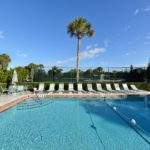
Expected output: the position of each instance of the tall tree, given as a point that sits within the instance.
(98, 70)
(56, 72)
(79, 28)
(22, 73)
(4, 61)
(32, 68)
(148, 72)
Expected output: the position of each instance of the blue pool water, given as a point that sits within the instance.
(76, 124)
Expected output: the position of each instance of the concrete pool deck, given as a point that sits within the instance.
(7, 101)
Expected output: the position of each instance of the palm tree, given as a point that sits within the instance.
(79, 28)
(56, 72)
(4, 61)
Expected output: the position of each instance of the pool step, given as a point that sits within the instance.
(34, 104)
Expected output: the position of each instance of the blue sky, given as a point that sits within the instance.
(35, 31)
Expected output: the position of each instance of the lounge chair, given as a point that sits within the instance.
(20, 88)
(80, 88)
(40, 89)
(117, 88)
(100, 89)
(134, 88)
(126, 89)
(70, 88)
(3, 90)
(109, 88)
(90, 88)
(12, 89)
(51, 88)
(60, 88)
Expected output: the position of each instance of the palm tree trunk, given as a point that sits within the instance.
(78, 58)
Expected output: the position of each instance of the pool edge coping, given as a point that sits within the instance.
(27, 96)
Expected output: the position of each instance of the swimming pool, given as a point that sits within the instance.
(76, 124)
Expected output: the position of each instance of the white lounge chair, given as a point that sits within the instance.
(12, 89)
(3, 90)
(134, 88)
(117, 88)
(20, 88)
(100, 89)
(109, 88)
(80, 88)
(61, 88)
(126, 89)
(51, 88)
(70, 88)
(90, 88)
(40, 89)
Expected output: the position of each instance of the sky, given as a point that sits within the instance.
(36, 31)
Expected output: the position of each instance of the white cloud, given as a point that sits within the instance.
(91, 53)
(22, 54)
(87, 54)
(148, 37)
(95, 45)
(146, 43)
(127, 54)
(103, 63)
(147, 9)
(136, 12)
(91, 46)
(141, 65)
(61, 62)
(1, 35)
(131, 53)
(88, 47)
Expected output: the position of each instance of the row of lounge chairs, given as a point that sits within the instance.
(13, 89)
(125, 89)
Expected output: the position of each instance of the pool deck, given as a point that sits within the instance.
(7, 101)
